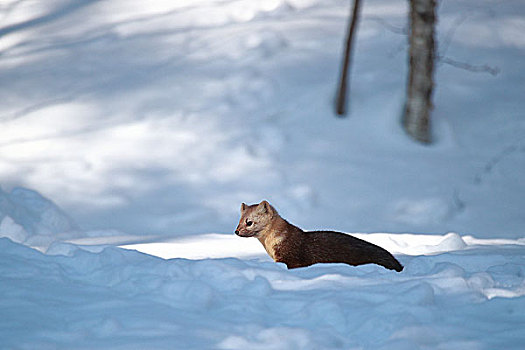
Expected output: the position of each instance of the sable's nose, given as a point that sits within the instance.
(237, 232)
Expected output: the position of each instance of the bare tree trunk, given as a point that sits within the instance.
(341, 92)
(416, 119)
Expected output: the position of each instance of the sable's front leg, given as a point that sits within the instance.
(289, 265)
(293, 264)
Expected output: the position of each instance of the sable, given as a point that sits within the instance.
(294, 247)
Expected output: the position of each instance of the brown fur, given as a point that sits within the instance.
(294, 247)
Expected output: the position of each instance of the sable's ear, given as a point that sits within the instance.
(243, 207)
(264, 207)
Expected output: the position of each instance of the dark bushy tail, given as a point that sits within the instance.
(364, 252)
(387, 260)
(381, 256)
(397, 266)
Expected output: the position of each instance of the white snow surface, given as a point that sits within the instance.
(131, 131)
(84, 297)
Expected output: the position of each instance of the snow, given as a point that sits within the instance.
(469, 297)
(130, 133)
(28, 217)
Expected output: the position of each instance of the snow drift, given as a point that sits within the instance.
(116, 299)
(26, 216)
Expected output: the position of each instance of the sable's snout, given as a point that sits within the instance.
(243, 233)
(238, 230)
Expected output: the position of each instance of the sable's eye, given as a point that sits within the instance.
(249, 223)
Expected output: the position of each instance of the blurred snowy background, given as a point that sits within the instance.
(129, 121)
(163, 118)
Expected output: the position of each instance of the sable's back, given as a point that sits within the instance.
(330, 246)
(335, 238)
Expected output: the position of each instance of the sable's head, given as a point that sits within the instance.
(254, 219)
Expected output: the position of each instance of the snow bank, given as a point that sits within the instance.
(116, 299)
(26, 216)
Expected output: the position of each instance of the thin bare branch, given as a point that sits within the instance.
(469, 67)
